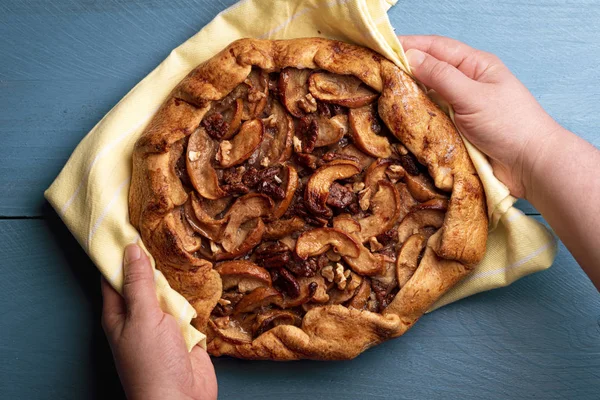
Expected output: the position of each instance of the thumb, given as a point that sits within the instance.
(138, 283)
(449, 82)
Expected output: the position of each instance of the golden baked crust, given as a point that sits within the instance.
(348, 291)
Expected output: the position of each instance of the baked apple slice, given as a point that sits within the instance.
(385, 208)
(277, 141)
(408, 258)
(238, 150)
(246, 208)
(269, 319)
(319, 240)
(364, 129)
(417, 220)
(257, 95)
(201, 150)
(422, 188)
(294, 92)
(243, 275)
(345, 90)
(291, 184)
(201, 222)
(331, 130)
(259, 297)
(317, 187)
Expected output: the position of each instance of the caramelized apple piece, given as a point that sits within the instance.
(233, 116)
(421, 188)
(190, 242)
(366, 263)
(279, 130)
(291, 184)
(259, 297)
(201, 150)
(232, 333)
(257, 95)
(317, 241)
(271, 318)
(245, 275)
(250, 234)
(201, 222)
(293, 89)
(345, 90)
(312, 289)
(331, 130)
(284, 227)
(385, 207)
(246, 208)
(363, 125)
(317, 187)
(364, 160)
(407, 202)
(242, 146)
(408, 258)
(359, 301)
(416, 221)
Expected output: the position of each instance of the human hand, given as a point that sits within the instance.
(149, 351)
(493, 109)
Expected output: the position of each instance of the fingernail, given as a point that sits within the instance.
(132, 253)
(415, 57)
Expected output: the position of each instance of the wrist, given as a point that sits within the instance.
(540, 151)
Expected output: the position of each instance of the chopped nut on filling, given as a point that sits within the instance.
(308, 104)
(340, 276)
(374, 244)
(297, 144)
(353, 282)
(395, 173)
(401, 149)
(255, 95)
(224, 151)
(194, 155)
(215, 248)
(358, 186)
(364, 199)
(265, 162)
(224, 302)
(270, 121)
(372, 302)
(327, 273)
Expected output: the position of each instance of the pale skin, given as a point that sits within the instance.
(533, 155)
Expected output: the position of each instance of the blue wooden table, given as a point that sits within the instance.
(65, 63)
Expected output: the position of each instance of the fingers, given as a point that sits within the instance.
(445, 49)
(138, 282)
(439, 75)
(113, 307)
(471, 62)
(200, 357)
(204, 370)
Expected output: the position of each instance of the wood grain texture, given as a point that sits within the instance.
(539, 337)
(65, 63)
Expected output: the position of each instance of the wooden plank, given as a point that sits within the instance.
(537, 338)
(52, 344)
(65, 63)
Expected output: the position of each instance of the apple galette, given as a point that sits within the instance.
(307, 198)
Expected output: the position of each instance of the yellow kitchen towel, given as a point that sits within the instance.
(90, 194)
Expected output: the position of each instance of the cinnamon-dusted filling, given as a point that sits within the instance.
(301, 197)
